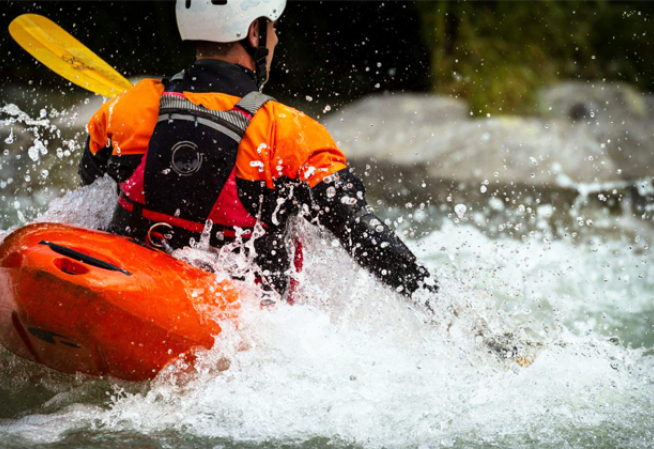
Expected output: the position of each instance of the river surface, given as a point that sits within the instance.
(353, 364)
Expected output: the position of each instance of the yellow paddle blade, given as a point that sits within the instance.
(66, 56)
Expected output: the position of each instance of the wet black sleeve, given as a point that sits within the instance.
(340, 206)
(92, 167)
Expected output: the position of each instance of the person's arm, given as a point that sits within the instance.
(93, 166)
(119, 133)
(304, 153)
(341, 207)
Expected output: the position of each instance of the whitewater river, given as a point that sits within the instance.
(355, 365)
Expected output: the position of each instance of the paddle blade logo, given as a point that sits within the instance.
(76, 63)
(51, 337)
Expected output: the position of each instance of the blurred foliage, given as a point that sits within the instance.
(497, 54)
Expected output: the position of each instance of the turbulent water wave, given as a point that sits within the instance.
(354, 364)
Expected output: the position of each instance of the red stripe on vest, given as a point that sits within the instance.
(243, 112)
(298, 262)
(176, 94)
(228, 209)
(133, 187)
(176, 221)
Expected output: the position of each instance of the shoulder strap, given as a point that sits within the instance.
(172, 104)
(253, 101)
(174, 83)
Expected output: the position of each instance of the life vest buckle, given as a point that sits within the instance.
(159, 240)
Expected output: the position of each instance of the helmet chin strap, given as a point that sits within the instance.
(260, 53)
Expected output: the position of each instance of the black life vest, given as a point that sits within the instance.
(187, 176)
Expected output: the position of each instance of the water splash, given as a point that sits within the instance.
(353, 363)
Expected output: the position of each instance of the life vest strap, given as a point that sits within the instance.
(238, 118)
(253, 101)
(137, 210)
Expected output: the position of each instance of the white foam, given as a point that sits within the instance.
(356, 363)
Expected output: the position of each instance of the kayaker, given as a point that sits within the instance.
(206, 144)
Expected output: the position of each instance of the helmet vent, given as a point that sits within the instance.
(218, 2)
(188, 4)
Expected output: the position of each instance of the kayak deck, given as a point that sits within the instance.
(86, 301)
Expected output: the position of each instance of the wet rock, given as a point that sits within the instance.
(472, 151)
(416, 110)
(649, 100)
(492, 165)
(615, 115)
(579, 101)
(508, 149)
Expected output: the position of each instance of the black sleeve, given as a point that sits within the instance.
(340, 206)
(92, 167)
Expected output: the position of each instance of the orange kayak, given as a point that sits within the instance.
(87, 301)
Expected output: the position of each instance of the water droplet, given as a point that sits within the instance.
(10, 139)
(348, 200)
(257, 164)
(33, 153)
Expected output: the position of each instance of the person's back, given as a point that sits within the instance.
(207, 145)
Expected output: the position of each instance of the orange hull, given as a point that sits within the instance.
(86, 301)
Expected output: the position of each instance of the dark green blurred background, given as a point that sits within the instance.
(493, 54)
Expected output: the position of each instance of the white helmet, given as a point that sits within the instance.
(223, 20)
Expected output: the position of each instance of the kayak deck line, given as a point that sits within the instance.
(64, 251)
